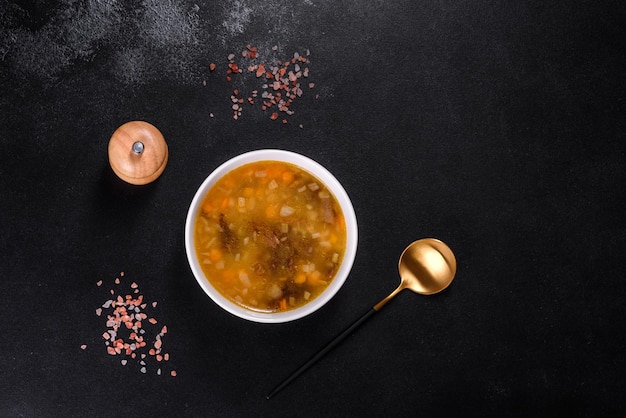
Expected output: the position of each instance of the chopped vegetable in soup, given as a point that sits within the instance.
(270, 236)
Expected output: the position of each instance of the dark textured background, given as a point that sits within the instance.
(498, 127)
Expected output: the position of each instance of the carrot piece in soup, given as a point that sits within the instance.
(215, 254)
(300, 278)
(207, 207)
(314, 278)
(271, 211)
(287, 176)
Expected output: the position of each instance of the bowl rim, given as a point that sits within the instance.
(329, 181)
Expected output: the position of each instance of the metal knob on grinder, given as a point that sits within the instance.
(138, 152)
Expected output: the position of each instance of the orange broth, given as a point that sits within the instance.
(270, 236)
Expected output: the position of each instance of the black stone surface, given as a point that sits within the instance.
(498, 127)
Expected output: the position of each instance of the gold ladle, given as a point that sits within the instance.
(427, 266)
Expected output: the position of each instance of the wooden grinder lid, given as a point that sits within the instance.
(138, 152)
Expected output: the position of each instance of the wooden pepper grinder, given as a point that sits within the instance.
(138, 152)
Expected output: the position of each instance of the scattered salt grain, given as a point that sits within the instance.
(283, 80)
(126, 330)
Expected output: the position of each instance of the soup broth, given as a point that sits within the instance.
(270, 236)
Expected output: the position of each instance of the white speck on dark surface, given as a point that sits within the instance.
(236, 17)
(158, 39)
(139, 42)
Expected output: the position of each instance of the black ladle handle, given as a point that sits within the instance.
(339, 338)
(322, 352)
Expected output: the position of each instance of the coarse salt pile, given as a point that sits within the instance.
(131, 333)
(280, 82)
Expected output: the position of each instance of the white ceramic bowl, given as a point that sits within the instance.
(331, 183)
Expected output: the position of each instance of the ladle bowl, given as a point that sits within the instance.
(427, 266)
